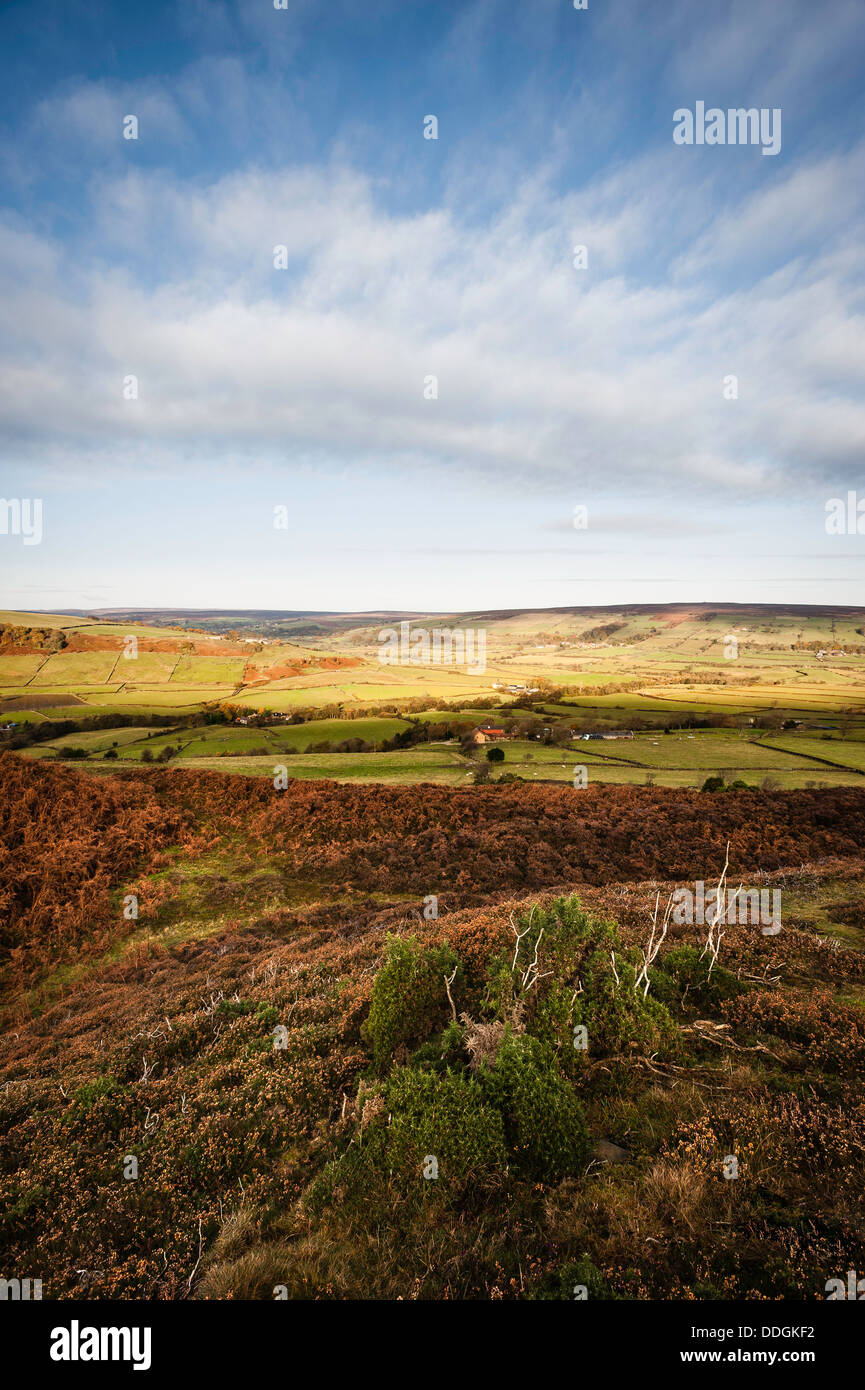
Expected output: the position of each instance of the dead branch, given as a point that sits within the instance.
(651, 950)
(198, 1261)
(448, 983)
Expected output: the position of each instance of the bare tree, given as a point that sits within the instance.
(651, 950)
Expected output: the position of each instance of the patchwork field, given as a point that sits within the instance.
(785, 691)
(677, 760)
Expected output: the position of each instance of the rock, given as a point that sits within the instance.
(611, 1153)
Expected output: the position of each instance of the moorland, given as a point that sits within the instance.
(410, 1023)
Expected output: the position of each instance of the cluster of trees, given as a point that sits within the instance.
(831, 644)
(602, 633)
(46, 731)
(31, 639)
(165, 754)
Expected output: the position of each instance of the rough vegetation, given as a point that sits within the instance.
(326, 1090)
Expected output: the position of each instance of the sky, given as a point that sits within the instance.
(427, 398)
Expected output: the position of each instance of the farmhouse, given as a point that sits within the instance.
(488, 735)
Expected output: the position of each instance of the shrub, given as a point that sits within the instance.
(616, 1016)
(573, 1277)
(713, 784)
(444, 1116)
(544, 1123)
(587, 979)
(430, 1115)
(101, 1106)
(682, 976)
(88, 1095)
(409, 1000)
(447, 1050)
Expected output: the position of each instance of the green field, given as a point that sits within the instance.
(603, 669)
(18, 670)
(677, 760)
(162, 698)
(96, 741)
(848, 751)
(222, 741)
(208, 670)
(150, 668)
(436, 764)
(71, 669)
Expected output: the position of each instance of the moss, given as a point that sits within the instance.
(234, 1008)
(544, 1122)
(409, 999)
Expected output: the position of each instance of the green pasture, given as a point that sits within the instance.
(70, 669)
(139, 630)
(94, 740)
(208, 670)
(18, 670)
(165, 698)
(849, 751)
(147, 667)
(409, 765)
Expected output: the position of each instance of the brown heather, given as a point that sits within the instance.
(154, 1038)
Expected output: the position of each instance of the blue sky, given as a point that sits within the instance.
(408, 258)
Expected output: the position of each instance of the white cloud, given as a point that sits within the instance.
(546, 373)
